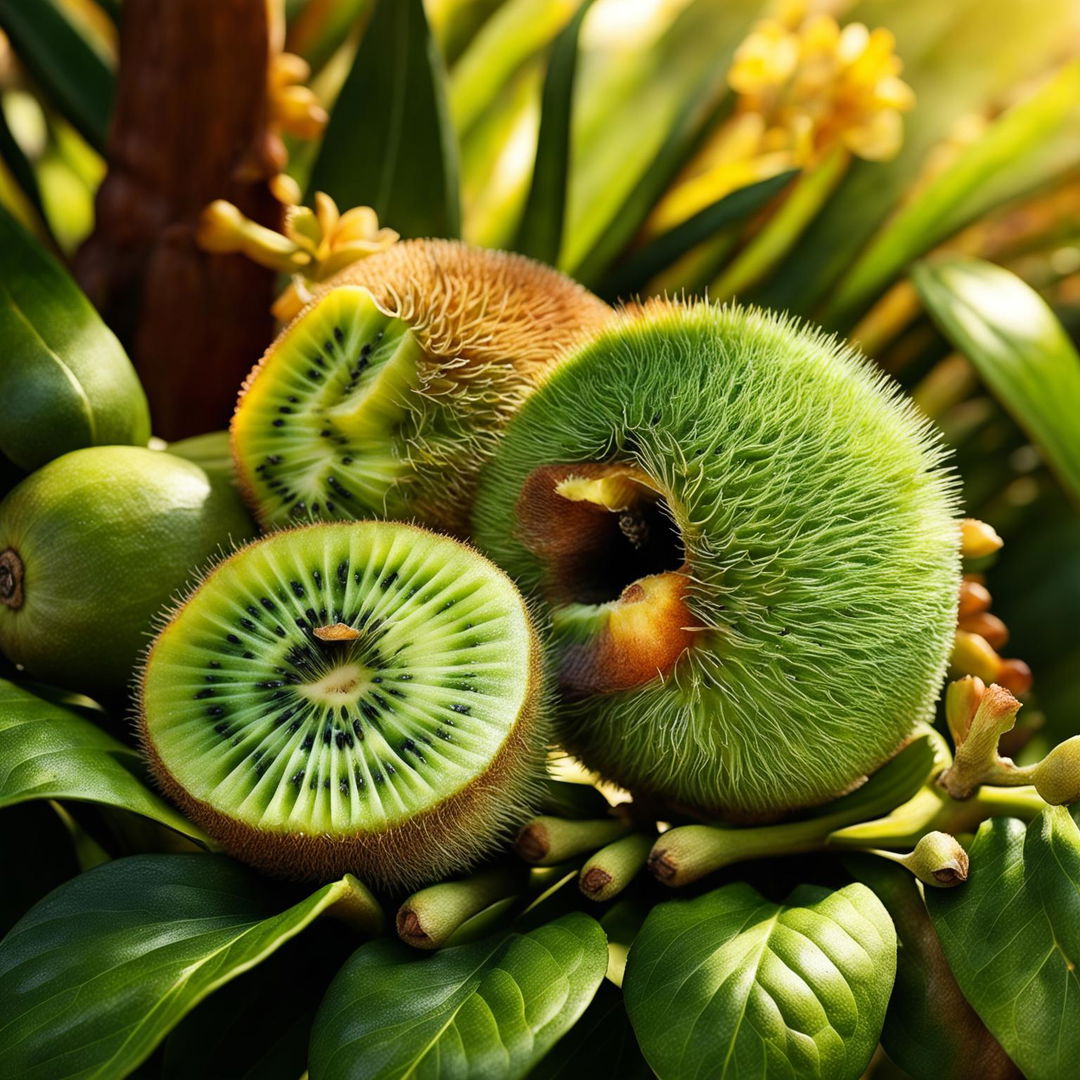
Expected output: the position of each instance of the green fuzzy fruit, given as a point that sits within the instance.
(749, 549)
(92, 547)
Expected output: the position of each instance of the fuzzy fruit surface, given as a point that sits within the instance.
(350, 697)
(776, 509)
(388, 392)
(105, 538)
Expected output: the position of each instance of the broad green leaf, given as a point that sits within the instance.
(1011, 935)
(65, 381)
(49, 751)
(930, 1030)
(632, 272)
(492, 1008)
(1015, 155)
(67, 66)
(731, 985)
(1018, 347)
(600, 1044)
(389, 143)
(97, 973)
(541, 229)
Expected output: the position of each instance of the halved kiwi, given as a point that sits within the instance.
(385, 396)
(749, 549)
(350, 697)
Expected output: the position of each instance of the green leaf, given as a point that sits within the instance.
(930, 1031)
(65, 381)
(49, 751)
(601, 1043)
(11, 153)
(1016, 154)
(731, 985)
(1012, 938)
(634, 271)
(541, 229)
(95, 975)
(389, 143)
(492, 1008)
(71, 72)
(1018, 347)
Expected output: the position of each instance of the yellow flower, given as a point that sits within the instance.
(315, 245)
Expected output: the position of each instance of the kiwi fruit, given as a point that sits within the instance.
(92, 546)
(350, 697)
(748, 543)
(388, 392)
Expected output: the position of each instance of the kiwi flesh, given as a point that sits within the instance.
(749, 548)
(360, 698)
(384, 397)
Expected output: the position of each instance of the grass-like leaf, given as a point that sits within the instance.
(492, 1008)
(72, 74)
(541, 229)
(96, 974)
(48, 751)
(1018, 347)
(1012, 938)
(389, 143)
(633, 272)
(65, 380)
(731, 985)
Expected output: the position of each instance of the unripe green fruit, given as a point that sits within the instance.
(749, 550)
(92, 547)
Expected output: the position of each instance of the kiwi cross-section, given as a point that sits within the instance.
(385, 396)
(350, 697)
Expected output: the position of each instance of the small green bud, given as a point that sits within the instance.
(1057, 776)
(938, 860)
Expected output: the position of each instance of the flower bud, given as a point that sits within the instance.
(974, 597)
(973, 655)
(938, 860)
(977, 539)
(962, 698)
(1057, 776)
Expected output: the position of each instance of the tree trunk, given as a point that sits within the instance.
(191, 126)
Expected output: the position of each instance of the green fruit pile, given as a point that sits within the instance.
(735, 547)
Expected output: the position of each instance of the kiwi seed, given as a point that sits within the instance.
(350, 697)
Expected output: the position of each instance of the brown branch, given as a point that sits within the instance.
(191, 125)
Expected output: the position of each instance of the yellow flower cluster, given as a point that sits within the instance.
(805, 86)
(316, 243)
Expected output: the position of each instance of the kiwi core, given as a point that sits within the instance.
(11, 579)
(615, 572)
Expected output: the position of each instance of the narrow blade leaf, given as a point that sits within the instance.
(1018, 347)
(74, 76)
(48, 751)
(731, 985)
(1012, 938)
(96, 974)
(633, 272)
(541, 229)
(492, 1008)
(389, 143)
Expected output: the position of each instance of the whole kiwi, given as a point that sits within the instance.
(92, 546)
(359, 697)
(388, 392)
(748, 544)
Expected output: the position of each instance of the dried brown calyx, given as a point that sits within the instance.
(615, 571)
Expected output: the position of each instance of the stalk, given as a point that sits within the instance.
(612, 868)
(548, 840)
(430, 917)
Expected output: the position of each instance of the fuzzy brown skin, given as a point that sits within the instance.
(444, 839)
(490, 323)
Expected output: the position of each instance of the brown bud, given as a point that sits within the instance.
(986, 626)
(974, 597)
(1015, 676)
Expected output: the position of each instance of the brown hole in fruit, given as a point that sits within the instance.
(598, 529)
(607, 539)
(11, 579)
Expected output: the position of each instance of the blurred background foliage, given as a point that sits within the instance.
(800, 155)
